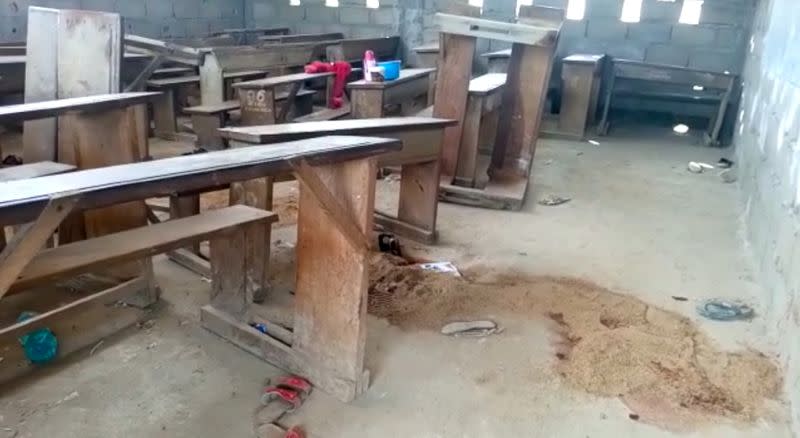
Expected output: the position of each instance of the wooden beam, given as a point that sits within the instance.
(29, 240)
(541, 34)
(344, 221)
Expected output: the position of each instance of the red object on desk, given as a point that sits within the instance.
(341, 71)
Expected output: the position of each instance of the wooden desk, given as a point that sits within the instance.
(258, 98)
(581, 76)
(419, 161)
(337, 175)
(725, 84)
(411, 91)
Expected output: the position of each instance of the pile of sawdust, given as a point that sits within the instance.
(285, 205)
(612, 345)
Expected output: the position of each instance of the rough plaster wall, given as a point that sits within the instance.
(717, 43)
(156, 18)
(769, 157)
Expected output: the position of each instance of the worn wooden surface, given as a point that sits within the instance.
(281, 80)
(88, 255)
(406, 75)
(295, 131)
(20, 201)
(330, 327)
(87, 104)
(578, 85)
(525, 94)
(31, 238)
(33, 170)
(41, 84)
(301, 38)
(455, 68)
(539, 34)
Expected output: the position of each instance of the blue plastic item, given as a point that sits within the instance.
(392, 70)
(40, 346)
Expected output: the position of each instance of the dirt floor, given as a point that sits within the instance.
(594, 344)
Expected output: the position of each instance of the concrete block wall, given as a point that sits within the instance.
(155, 18)
(717, 43)
(769, 174)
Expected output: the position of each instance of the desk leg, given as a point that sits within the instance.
(576, 100)
(603, 127)
(419, 200)
(470, 137)
(257, 193)
(185, 206)
(258, 106)
(332, 279)
(367, 104)
(206, 126)
(164, 118)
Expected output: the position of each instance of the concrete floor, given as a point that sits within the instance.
(638, 223)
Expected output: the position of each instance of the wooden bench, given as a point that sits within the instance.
(427, 55)
(480, 127)
(248, 35)
(207, 119)
(328, 338)
(411, 92)
(419, 161)
(717, 88)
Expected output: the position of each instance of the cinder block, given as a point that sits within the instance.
(264, 10)
(370, 31)
(198, 27)
(158, 8)
(13, 28)
(290, 14)
(714, 60)
(661, 11)
(730, 37)
(667, 54)
(173, 28)
(603, 9)
(649, 32)
(690, 35)
(88, 5)
(354, 15)
(725, 13)
(616, 48)
(384, 16)
(606, 29)
(142, 26)
(322, 14)
(187, 8)
(131, 9)
(211, 8)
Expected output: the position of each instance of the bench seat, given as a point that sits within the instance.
(86, 255)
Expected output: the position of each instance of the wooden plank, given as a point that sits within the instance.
(165, 121)
(20, 201)
(41, 84)
(265, 134)
(191, 261)
(181, 206)
(628, 69)
(487, 84)
(95, 39)
(104, 297)
(541, 15)
(256, 193)
(521, 112)
(87, 104)
(419, 195)
(173, 52)
(77, 329)
(542, 34)
(301, 38)
(228, 105)
(470, 137)
(281, 80)
(325, 115)
(173, 82)
(406, 75)
(258, 106)
(33, 170)
(455, 69)
(366, 103)
(23, 247)
(577, 85)
(111, 249)
(330, 205)
(331, 288)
